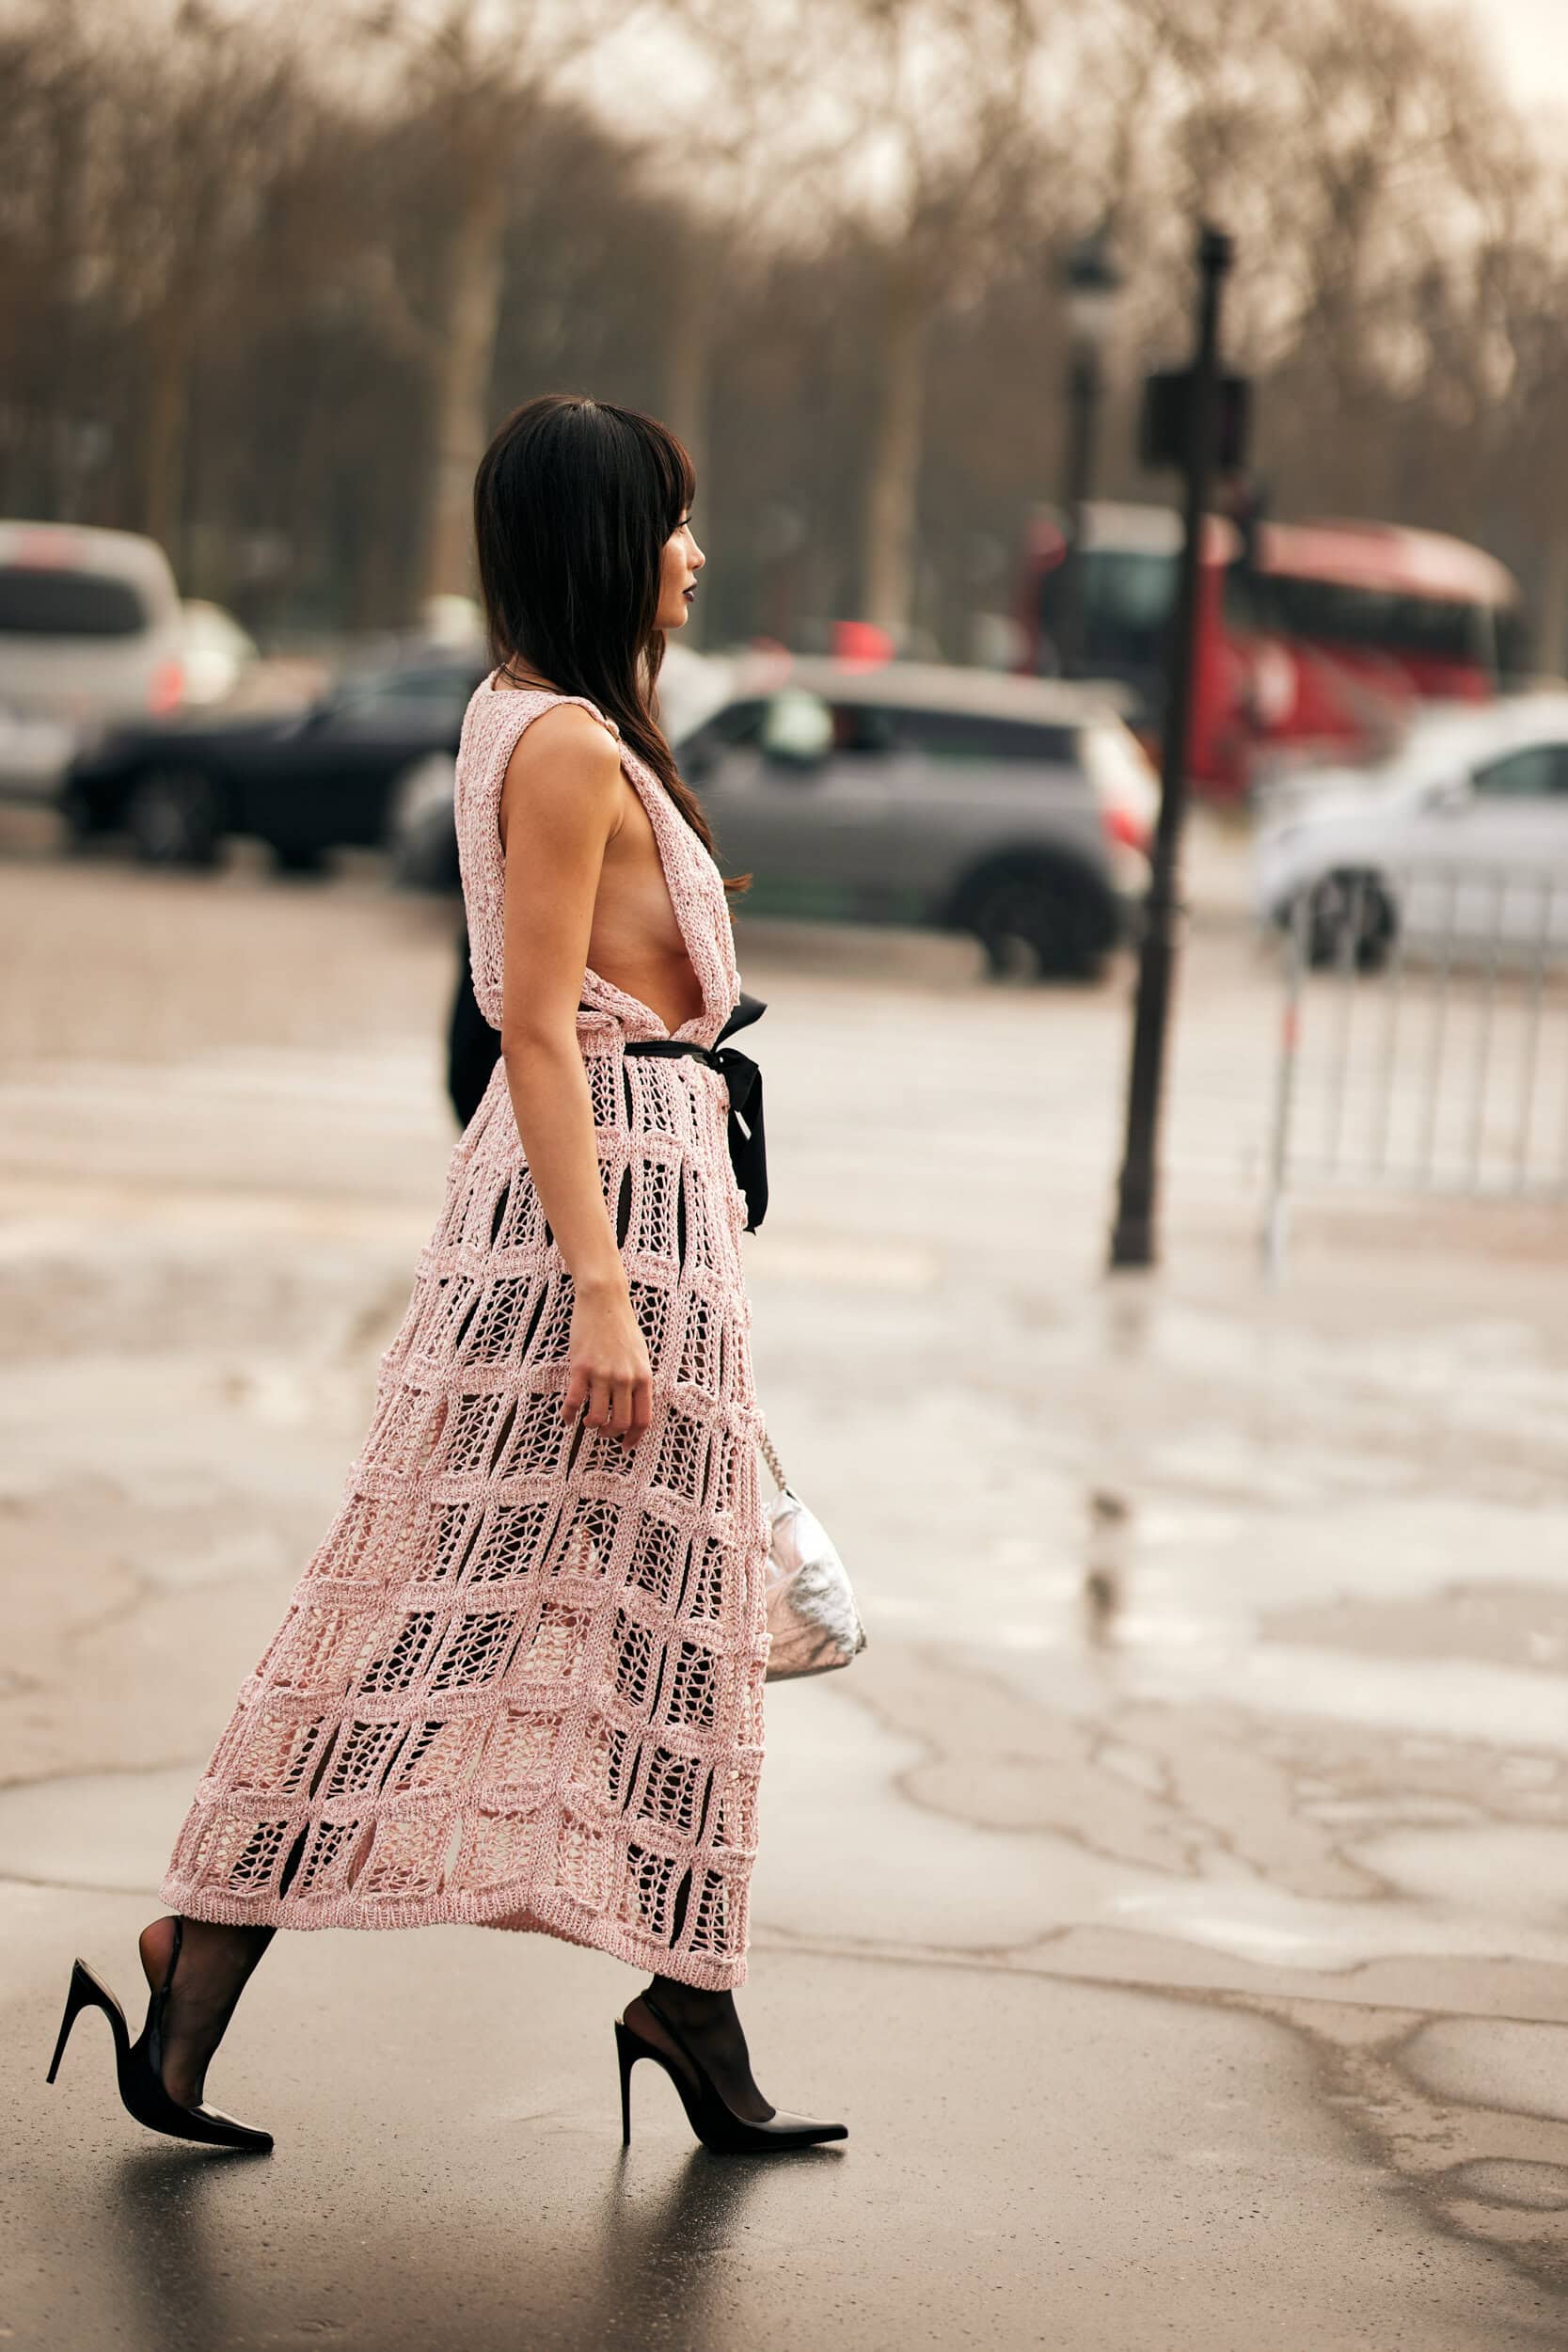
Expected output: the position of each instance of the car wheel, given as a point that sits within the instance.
(83, 826)
(172, 817)
(421, 830)
(1351, 919)
(297, 857)
(1035, 923)
(424, 854)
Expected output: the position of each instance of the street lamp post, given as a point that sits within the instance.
(1132, 1235)
(1091, 284)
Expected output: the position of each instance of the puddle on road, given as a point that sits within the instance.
(1501, 2180)
(1002, 1814)
(1274, 1927)
(1491, 2063)
(1501, 1707)
(1498, 1870)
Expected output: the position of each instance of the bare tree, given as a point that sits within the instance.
(483, 77)
(185, 178)
(940, 130)
(249, 301)
(730, 169)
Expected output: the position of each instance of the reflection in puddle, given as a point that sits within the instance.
(169, 2207)
(181, 2252)
(666, 2251)
(1110, 1517)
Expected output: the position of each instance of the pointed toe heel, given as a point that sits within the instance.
(709, 2114)
(139, 2066)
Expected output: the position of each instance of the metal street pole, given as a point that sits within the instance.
(1091, 285)
(1083, 401)
(1133, 1234)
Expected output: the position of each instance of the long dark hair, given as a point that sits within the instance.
(574, 500)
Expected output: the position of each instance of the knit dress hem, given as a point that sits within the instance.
(543, 1914)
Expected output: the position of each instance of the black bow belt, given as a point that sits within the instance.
(747, 1144)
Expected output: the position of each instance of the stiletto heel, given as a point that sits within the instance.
(709, 2114)
(86, 1992)
(139, 2064)
(626, 2055)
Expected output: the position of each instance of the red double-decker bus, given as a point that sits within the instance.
(1314, 638)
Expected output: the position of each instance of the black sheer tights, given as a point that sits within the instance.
(205, 1968)
(709, 2025)
(210, 1968)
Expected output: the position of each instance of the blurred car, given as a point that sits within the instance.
(216, 652)
(1019, 810)
(304, 782)
(90, 624)
(1462, 834)
(693, 686)
(420, 831)
(1016, 809)
(34, 756)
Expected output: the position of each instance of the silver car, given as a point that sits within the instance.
(90, 627)
(1016, 809)
(1460, 838)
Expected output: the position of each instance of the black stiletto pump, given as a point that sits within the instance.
(710, 2116)
(139, 2065)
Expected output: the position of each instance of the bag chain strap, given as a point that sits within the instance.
(764, 1444)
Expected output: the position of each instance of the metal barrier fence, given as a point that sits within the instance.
(1424, 1042)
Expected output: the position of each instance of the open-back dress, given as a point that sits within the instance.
(520, 1682)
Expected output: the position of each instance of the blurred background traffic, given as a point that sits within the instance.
(898, 278)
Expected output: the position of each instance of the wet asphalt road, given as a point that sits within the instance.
(1174, 1900)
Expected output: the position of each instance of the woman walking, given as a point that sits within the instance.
(520, 1682)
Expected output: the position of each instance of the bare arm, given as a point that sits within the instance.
(561, 807)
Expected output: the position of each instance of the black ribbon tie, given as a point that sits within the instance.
(742, 1077)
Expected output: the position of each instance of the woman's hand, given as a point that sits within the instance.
(609, 1378)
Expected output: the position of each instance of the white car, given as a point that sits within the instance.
(90, 627)
(215, 651)
(34, 756)
(1460, 837)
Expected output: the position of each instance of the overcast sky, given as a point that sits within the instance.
(1529, 41)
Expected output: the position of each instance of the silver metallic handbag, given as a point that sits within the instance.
(813, 1622)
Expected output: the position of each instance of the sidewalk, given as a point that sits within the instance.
(1170, 1898)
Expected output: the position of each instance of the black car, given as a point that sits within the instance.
(304, 782)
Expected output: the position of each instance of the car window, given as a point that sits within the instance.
(36, 601)
(864, 728)
(798, 728)
(738, 722)
(1539, 769)
(734, 725)
(434, 685)
(976, 735)
(426, 692)
(1337, 612)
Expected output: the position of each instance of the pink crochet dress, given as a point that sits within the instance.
(521, 1683)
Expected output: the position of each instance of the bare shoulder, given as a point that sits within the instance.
(564, 763)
